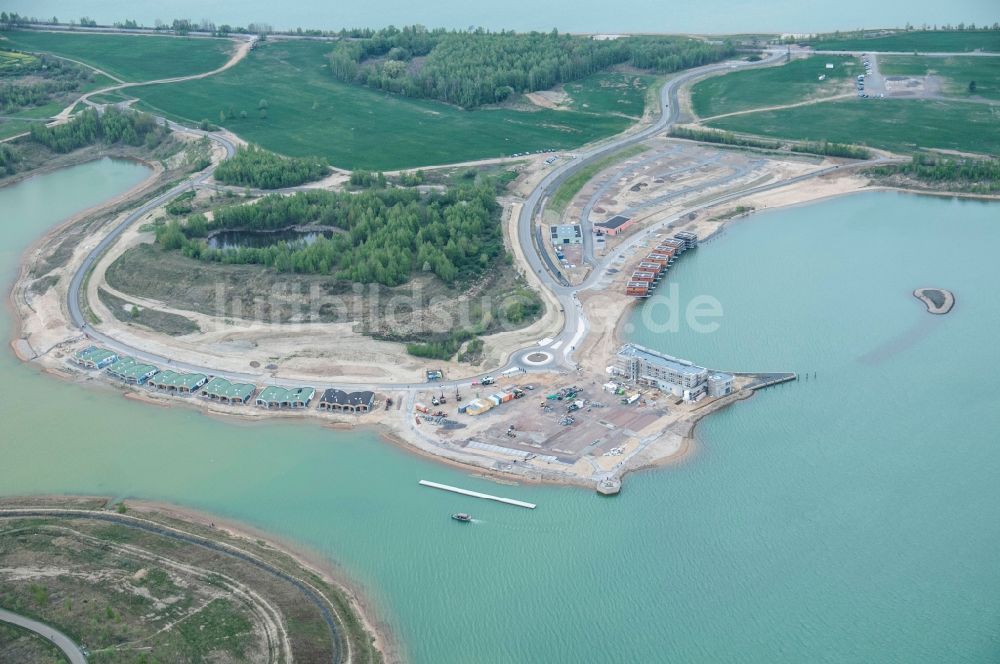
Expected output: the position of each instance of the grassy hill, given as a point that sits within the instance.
(129, 57)
(897, 124)
(774, 86)
(293, 106)
(957, 72)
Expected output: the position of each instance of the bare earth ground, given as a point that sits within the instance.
(556, 100)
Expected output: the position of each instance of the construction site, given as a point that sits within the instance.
(557, 425)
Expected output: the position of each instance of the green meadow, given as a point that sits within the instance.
(893, 124)
(916, 40)
(128, 57)
(610, 92)
(789, 83)
(956, 72)
(283, 98)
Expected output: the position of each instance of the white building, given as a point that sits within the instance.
(720, 384)
(566, 234)
(671, 375)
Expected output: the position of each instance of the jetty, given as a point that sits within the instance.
(476, 494)
(762, 380)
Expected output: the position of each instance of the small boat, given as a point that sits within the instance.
(462, 516)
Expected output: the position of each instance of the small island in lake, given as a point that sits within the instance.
(937, 300)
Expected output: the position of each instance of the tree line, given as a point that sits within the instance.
(471, 69)
(980, 176)
(389, 233)
(34, 80)
(9, 159)
(253, 166)
(824, 148)
(90, 127)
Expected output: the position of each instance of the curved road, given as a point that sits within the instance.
(341, 646)
(574, 325)
(69, 648)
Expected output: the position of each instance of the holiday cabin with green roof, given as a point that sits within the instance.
(221, 390)
(273, 396)
(131, 371)
(93, 357)
(179, 383)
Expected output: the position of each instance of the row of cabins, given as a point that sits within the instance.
(133, 372)
(650, 271)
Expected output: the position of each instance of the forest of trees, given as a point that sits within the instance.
(9, 159)
(824, 148)
(29, 81)
(390, 233)
(361, 178)
(470, 69)
(981, 176)
(253, 166)
(89, 127)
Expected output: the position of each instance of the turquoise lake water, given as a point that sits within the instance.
(708, 16)
(848, 519)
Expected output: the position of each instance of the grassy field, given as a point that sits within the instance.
(956, 72)
(10, 128)
(134, 596)
(897, 124)
(573, 184)
(610, 92)
(129, 57)
(774, 86)
(936, 42)
(309, 113)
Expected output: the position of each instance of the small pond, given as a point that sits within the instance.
(260, 239)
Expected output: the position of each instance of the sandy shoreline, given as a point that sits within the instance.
(310, 561)
(17, 318)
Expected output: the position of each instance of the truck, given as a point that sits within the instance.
(421, 408)
(487, 380)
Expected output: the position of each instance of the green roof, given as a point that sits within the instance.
(273, 393)
(222, 388)
(180, 380)
(94, 354)
(130, 368)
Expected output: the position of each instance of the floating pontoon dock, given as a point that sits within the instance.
(476, 494)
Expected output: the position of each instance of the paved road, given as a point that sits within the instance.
(72, 651)
(559, 348)
(575, 325)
